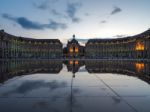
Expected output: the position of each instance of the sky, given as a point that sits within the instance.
(50, 19)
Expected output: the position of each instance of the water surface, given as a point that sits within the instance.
(74, 86)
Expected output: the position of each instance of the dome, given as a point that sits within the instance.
(74, 40)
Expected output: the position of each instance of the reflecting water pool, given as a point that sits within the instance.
(74, 86)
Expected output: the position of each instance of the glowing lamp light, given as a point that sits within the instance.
(139, 46)
(76, 62)
(76, 50)
(139, 66)
(71, 62)
(71, 50)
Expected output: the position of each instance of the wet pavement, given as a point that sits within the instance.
(80, 91)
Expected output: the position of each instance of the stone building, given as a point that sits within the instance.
(73, 49)
(12, 47)
(137, 46)
(133, 47)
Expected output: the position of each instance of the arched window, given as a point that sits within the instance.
(76, 49)
(71, 49)
(139, 46)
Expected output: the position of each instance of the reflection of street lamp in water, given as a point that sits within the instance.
(73, 64)
(73, 75)
(139, 66)
(73, 67)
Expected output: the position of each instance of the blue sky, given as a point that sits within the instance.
(84, 18)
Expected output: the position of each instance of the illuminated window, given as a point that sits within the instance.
(139, 66)
(76, 62)
(71, 50)
(76, 49)
(139, 46)
(71, 62)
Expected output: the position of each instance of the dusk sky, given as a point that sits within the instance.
(84, 18)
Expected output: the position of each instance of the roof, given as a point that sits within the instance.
(9, 36)
(141, 35)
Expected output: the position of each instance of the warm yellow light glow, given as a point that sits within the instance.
(139, 46)
(71, 62)
(71, 50)
(76, 49)
(76, 62)
(139, 66)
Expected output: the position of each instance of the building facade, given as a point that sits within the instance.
(134, 47)
(137, 46)
(73, 49)
(12, 47)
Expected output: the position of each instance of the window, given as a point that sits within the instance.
(76, 49)
(71, 50)
(139, 46)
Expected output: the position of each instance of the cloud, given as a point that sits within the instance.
(55, 25)
(28, 86)
(72, 10)
(76, 20)
(48, 5)
(86, 14)
(116, 10)
(104, 21)
(28, 24)
(56, 13)
(43, 4)
(120, 36)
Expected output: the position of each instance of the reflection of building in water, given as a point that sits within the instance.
(74, 65)
(9, 69)
(137, 46)
(20, 47)
(73, 49)
(122, 67)
(139, 66)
